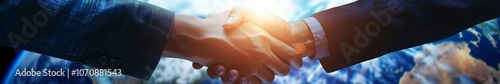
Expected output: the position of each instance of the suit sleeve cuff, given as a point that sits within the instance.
(320, 40)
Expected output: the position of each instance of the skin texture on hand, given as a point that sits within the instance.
(295, 34)
(273, 24)
(291, 33)
(249, 49)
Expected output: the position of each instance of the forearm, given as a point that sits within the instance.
(181, 24)
(122, 35)
(368, 29)
(189, 37)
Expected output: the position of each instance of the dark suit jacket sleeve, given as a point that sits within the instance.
(126, 35)
(367, 29)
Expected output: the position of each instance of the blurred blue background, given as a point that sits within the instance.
(471, 56)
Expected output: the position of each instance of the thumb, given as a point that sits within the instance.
(234, 18)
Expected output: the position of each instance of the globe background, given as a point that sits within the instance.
(480, 39)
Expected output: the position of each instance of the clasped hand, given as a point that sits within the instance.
(235, 40)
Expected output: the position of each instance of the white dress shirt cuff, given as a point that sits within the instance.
(320, 40)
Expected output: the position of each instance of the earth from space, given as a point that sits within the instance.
(471, 56)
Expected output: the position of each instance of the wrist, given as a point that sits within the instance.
(189, 37)
(302, 34)
(182, 29)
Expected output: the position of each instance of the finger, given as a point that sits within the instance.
(234, 19)
(216, 71)
(197, 65)
(300, 49)
(286, 53)
(277, 28)
(279, 50)
(277, 66)
(230, 77)
(254, 80)
(242, 80)
(265, 75)
(297, 62)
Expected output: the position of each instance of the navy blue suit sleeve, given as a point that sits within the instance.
(110, 34)
(367, 29)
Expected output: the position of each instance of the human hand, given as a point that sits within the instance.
(293, 34)
(249, 49)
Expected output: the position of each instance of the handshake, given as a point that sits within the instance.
(240, 45)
